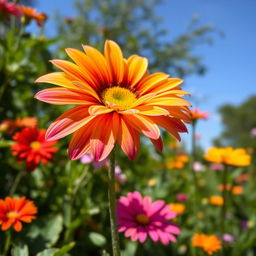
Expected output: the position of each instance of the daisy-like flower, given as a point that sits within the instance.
(13, 211)
(228, 156)
(8, 8)
(30, 146)
(118, 101)
(209, 243)
(32, 14)
(197, 114)
(139, 217)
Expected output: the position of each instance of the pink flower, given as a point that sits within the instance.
(88, 159)
(138, 217)
(182, 197)
(121, 177)
(216, 167)
(9, 8)
(198, 167)
(253, 132)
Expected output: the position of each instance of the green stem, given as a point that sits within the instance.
(224, 195)
(16, 183)
(7, 243)
(193, 156)
(112, 205)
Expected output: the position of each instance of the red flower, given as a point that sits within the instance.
(9, 8)
(15, 210)
(32, 147)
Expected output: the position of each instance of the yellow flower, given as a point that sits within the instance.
(152, 182)
(178, 208)
(214, 155)
(209, 243)
(229, 156)
(216, 200)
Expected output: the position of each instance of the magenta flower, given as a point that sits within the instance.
(182, 197)
(138, 217)
(9, 8)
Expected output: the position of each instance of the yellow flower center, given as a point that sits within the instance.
(142, 219)
(35, 145)
(12, 215)
(118, 98)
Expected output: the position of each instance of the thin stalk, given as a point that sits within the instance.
(112, 205)
(7, 243)
(224, 195)
(16, 183)
(193, 156)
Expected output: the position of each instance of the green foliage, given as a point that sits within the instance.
(138, 29)
(238, 121)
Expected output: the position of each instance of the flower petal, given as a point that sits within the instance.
(63, 96)
(90, 75)
(151, 81)
(68, 122)
(114, 57)
(128, 139)
(100, 63)
(99, 110)
(80, 142)
(57, 78)
(158, 144)
(102, 139)
(143, 124)
(137, 67)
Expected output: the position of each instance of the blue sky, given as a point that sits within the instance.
(231, 59)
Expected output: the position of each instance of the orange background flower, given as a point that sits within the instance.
(13, 211)
(209, 243)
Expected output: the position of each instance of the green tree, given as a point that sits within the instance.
(136, 26)
(238, 121)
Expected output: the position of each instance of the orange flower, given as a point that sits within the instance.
(216, 200)
(221, 187)
(19, 123)
(197, 114)
(31, 14)
(237, 190)
(118, 100)
(178, 208)
(178, 162)
(209, 243)
(229, 156)
(32, 147)
(15, 210)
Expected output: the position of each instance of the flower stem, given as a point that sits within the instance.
(224, 195)
(16, 183)
(112, 205)
(7, 243)
(193, 156)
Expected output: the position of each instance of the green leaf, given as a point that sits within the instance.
(20, 250)
(44, 232)
(64, 249)
(56, 251)
(48, 252)
(97, 239)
